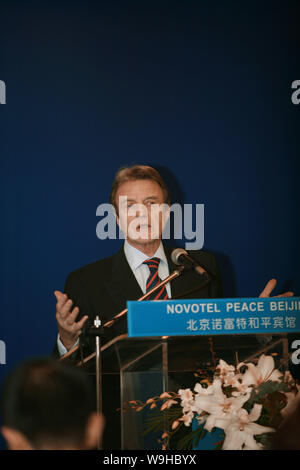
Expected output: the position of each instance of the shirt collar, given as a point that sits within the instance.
(136, 257)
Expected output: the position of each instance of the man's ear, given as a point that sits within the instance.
(15, 439)
(117, 217)
(116, 214)
(94, 431)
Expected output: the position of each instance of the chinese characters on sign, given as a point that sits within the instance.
(229, 316)
(252, 323)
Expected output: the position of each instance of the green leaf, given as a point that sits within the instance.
(186, 443)
(162, 420)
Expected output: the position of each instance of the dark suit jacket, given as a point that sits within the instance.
(103, 287)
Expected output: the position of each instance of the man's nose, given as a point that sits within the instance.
(142, 212)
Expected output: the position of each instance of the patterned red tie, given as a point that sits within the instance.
(153, 280)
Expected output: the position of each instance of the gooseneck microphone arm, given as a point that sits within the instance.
(170, 278)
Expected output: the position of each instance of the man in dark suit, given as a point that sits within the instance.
(102, 288)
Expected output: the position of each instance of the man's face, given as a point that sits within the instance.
(142, 213)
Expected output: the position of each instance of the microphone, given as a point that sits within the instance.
(180, 256)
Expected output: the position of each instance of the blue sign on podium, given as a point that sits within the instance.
(213, 316)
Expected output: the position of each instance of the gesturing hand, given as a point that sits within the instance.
(270, 286)
(69, 330)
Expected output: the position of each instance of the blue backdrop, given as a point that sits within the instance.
(200, 90)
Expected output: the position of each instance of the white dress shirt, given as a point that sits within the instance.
(135, 259)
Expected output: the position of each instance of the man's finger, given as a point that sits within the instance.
(59, 320)
(77, 327)
(285, 294)
(58, 294)
(73, 315)
(61, 300)
(270, 286)
(65, 309)
(82, 322)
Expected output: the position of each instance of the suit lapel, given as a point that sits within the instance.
(121, 283)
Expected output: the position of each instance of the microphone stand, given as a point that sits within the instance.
(97, 331)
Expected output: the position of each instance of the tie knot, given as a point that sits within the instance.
(152, 263)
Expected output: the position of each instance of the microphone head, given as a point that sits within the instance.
(175, 255)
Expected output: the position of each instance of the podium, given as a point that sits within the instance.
(145, 362)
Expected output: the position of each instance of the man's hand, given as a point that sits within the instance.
(69, 330)
(270, 286)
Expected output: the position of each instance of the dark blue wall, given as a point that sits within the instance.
(201, 90)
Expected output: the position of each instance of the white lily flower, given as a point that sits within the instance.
(200, 391)
(241, 430)
(187, 399)
(241, 387)
(225, 368)
(230, 377)
(186, 395)
(203, 390)
(195, 407)
(264, 371)
(219, 406)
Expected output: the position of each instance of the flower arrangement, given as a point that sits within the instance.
(248, 402)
